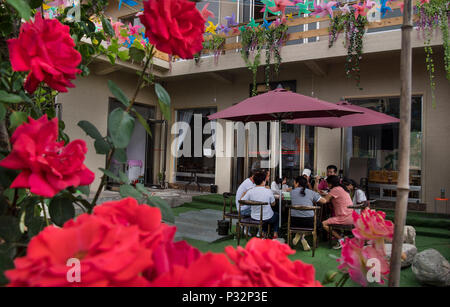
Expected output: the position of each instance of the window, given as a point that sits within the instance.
(191, 159)
(379, 145)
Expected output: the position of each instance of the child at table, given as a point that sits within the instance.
(262, 194)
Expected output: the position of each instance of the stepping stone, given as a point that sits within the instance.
(199, 225)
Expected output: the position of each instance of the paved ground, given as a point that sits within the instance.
(174, 198)
(199, 225)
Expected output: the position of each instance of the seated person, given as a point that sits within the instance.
(331, 171)
(262, 194)
(340, 199)
(358, 195)
(279, 185)
(244, 187)
(303, 196)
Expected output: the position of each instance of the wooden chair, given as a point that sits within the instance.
(229, 213)
(247, 222)
(338, 227)
(301, 230)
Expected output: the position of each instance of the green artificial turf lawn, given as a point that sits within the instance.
(322, 260)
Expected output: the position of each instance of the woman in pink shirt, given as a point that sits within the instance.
(340, 199)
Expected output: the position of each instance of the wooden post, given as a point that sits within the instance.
(404, 145)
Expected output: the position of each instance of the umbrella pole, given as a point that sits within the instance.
(281, 176)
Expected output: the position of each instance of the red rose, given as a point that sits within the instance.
(209, 270)
(127, 212)
(46, 48)
(266, 264)
(47, 166)
(170, 254)
(154, 235)
(109, 256)
(174, 26)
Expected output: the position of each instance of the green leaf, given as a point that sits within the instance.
(61, 210)
(123, 177)
(35, 226)
(9, 228)
(120, 127)
(165, 109)
(22, 7)
(127, 190)
(118, 93)
(123, 55)
(85, 189)
(90, 129)
(112, 58)
(166, 211)
(102, 147)
(143, 122)
(2, 112)
(164, 100)
(110, 174)
(141, 188)
(107, 26)
(3, 205)
(16, 119)
(9, 98)
(6, 261)
(136, 54)
(120, 154)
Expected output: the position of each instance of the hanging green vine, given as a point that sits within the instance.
(354, 29)
(216, 44)
(252, 43)
(256, 39)
(432, 15)
(274, 39)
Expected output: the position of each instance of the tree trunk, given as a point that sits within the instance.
(404, 146)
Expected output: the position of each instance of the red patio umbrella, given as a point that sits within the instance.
(280, 104)
(366, 117)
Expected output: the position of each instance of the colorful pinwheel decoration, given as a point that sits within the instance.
(303, 7)
(231, 21)
(253, 24)
(360, 10)
(211, 28)
(266, 24)
(384, 8)
(206, 13)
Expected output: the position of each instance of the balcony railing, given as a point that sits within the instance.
(322, 31)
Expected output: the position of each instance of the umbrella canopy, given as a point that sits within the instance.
(366, 117)
(280, 104)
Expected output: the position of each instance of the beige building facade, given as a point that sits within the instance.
(311, 69)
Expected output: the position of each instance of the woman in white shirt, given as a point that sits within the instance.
(358, 195)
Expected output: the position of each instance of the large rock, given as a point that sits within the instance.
(431, 268)
(409, 235)
(408, 253)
